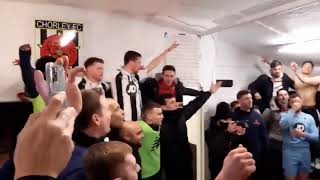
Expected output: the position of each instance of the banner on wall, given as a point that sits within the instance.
(49, 35)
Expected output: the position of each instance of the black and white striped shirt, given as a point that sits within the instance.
(125, 89)
(85, 83)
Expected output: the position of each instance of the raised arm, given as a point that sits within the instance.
(158, 60)
(27, 70)
(261, 65)
(308, 80)
(193, 106)
(189, 91)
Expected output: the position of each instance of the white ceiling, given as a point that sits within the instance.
(249, 24)
(256, 36)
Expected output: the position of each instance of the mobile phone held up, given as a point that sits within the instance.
(55, 77)
(225, 83)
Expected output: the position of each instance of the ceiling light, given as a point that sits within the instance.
(67, 37)
(308, 47)
(297, 36)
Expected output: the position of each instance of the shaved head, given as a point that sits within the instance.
(131, 132)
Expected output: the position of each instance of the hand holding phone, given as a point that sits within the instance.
(55, 77)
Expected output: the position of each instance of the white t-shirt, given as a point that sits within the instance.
(277, 85)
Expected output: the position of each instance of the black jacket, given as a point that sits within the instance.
(150, 90)
(176, 156)
(264, 86)
(219, 142)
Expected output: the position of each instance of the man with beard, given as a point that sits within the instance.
(255, 136)
(264, 88)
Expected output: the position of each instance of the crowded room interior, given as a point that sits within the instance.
(159, 90)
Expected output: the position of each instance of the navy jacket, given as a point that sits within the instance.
(7, 170)
(75, 168)
(255, 137)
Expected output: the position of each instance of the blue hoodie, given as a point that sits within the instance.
(300, 121)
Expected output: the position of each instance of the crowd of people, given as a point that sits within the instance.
(130, 127)
(133, 126)
(276, 119)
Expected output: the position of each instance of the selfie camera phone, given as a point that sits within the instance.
(55, 77)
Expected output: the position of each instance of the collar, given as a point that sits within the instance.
(123, 71)
(162, 83)
(292, 112)
(153, 126)
(91, 83)
(82, 139)
(243, 112)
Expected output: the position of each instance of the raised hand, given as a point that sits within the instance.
(74, 98)
(238, 165)
(173, 46)
(142, 68)
(72, 90)
(266, 61)
(294, 66)
(16, 62)
(44, 146)
(63, 61)
(25, 47)
(215, 87)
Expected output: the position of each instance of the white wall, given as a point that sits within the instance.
(225, 62)
(106, 36)
(109, 37)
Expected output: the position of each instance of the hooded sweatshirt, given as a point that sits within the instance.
(298, 121)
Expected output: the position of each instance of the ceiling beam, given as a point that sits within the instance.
(282, 8)
(164, 21)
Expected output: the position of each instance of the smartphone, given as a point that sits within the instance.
(226, 83)
(55, 77)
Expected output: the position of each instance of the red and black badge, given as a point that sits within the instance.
(50, 46)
